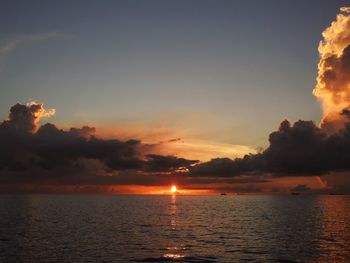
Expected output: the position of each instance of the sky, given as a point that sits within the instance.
(192, 79)
(225, 69)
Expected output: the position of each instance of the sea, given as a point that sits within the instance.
(174, 228)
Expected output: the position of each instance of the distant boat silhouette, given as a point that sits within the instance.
(294, 193)
(223, 194)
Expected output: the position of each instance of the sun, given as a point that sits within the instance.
(173, 189)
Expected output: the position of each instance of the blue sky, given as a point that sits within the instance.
(228, 71)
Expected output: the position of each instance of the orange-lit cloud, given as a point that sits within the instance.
(203, 150)
(174, 141)
(39, 112)
(333, 80)
(26, 117)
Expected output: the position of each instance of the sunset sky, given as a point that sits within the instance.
(172, 85)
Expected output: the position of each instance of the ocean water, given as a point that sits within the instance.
(105, 228)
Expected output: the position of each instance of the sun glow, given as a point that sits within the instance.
(173, 189)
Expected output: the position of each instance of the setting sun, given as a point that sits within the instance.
(173, 189)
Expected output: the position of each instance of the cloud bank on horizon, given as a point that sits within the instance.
(47, 155)
(28, 148)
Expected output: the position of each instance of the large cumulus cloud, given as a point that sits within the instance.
(333, 79)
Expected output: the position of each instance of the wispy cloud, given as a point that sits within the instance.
(9, 45)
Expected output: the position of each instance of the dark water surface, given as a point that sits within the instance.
(97, 228)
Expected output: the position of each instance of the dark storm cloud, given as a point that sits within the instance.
(159, 163)
(300, 149)
(30, 152)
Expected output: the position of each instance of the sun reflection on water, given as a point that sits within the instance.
(173, 212)
(173, 256)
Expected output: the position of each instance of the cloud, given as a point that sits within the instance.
(159, 163)
(9, 45)
(301, 149)
(34, 153)
(345, 9)
(170, 141)
(25, 118)
(333, 78)
(203, 150)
